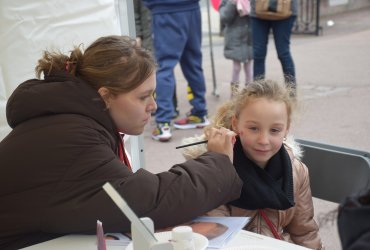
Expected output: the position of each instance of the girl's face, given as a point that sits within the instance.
(131, 111)
(262, 126)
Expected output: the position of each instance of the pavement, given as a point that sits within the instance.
(333, 79)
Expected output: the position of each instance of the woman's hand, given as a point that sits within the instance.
(221, 140)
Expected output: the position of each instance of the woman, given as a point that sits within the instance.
(66, 144)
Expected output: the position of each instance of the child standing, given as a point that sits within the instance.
(276, 192)
(238, 39)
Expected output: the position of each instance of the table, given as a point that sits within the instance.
(244, 240)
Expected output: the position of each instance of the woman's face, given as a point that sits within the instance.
(262, 125)
(131, 111)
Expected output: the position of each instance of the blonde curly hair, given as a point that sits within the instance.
(262, 88)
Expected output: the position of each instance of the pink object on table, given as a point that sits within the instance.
(100, 236)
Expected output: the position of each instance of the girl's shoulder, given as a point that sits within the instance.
(293, 148)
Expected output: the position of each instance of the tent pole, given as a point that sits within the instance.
(215, 91)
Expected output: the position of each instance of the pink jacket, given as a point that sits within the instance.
(296, 224)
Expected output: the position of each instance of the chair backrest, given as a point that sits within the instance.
(335, 172)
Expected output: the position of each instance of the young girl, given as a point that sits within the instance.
(276, 191)
(238, 39)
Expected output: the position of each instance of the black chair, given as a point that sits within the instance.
(335, 172)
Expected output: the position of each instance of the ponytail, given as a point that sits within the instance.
(57, 61)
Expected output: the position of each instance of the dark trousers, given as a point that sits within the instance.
(281, 30)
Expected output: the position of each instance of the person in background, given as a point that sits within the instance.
(143, 25)
(276, 193)
(281, 30)
(176, 26)
(238, 39)
(353, 221)
(66, 144)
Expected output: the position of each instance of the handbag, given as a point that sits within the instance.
(273, 9)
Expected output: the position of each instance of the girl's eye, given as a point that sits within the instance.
(253, 128)
(275, 130)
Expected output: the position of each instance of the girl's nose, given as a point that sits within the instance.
(263, 138)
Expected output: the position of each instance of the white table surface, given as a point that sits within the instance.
(244, 240)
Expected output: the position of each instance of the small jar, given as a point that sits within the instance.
(182, 238)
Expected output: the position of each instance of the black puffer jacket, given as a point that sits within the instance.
(63, 149)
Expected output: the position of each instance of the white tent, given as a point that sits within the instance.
(29, 27)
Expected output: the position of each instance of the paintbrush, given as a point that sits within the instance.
(191, 144)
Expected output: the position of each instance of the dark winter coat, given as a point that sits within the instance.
(62, 149)
(238, 33)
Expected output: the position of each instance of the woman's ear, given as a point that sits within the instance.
(105, 94)
(234, 124)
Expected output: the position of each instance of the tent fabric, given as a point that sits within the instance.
(27, 28)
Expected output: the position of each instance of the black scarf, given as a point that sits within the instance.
(271, 187)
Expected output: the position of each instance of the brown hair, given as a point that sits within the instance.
(114, 62)
(260, 88)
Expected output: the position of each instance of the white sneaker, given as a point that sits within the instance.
(162, 132)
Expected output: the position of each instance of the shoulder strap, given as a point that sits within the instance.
(270, 224)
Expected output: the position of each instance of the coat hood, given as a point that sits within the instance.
(59, 93)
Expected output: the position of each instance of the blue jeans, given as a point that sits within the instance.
(281, 30)
(177, 39)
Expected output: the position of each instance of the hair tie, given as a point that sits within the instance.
(67, 66)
